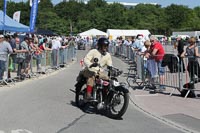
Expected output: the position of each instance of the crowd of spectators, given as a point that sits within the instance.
(25, 48)
(154, 56)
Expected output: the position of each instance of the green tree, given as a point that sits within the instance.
(21, 6)
(93, 4)
(196, 22)
(177, 16)
(78, 17)
(69, 10)
(147, 16)
(48, 19)
(72, 12)
(116, 16)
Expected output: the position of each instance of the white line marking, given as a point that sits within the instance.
(146, 95)
(20, 130)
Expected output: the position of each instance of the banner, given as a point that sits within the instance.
(33, 15)
(31, 2)
(16, 16)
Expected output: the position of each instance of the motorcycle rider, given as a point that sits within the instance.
(103, 59)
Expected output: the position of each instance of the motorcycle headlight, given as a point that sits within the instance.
(116, 83)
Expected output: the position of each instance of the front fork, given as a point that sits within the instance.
(99, 97)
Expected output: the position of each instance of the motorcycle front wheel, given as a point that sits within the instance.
(118, 104)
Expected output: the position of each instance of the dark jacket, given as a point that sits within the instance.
(171, 62)
(180, 47)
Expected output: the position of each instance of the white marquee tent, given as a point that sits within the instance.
(93, 32)
(114, 33)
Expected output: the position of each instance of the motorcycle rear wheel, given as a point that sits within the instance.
(118, 104)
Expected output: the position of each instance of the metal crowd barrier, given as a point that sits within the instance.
(4, 65)
(48, 59)
(57, 58)
(190, 75)
(174, 76)
(172, 72)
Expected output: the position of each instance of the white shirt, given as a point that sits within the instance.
(56, 44)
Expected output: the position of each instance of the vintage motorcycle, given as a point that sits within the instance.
(109, 96)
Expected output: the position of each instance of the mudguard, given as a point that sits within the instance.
(81, 80)
(122, 88)
(79, 84)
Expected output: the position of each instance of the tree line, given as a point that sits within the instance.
(75, 17)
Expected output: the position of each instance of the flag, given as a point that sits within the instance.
(33, 15)
(16, 16)
(31, 2)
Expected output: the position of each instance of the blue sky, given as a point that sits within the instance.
(163, 3)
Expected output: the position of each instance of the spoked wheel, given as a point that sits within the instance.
(118, 104)
(80, 95)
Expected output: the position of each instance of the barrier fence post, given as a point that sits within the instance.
(57, 59)
(4, 62)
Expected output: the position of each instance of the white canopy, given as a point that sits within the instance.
(124, 33)
(93, 32)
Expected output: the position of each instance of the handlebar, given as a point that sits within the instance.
(112, 71)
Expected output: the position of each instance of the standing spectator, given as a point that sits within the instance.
(94, 42)
(56, 45)
(63, 55)
(138, 43)
(118, 45)
(157, 52)
(35, 53)
(180, 49)
(20, 58)
(44, 45)
(132, 54)
(5, 49)
(193, 65)
(72, 45)
(35, 40)
(23, 71)
(42, 51)
(9, 39)
(150, 66)
(28, 55)
(13, 45)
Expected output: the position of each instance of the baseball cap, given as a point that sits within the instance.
(1, 36)
(140, 37)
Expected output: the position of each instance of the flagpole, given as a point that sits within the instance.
(4, 14)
